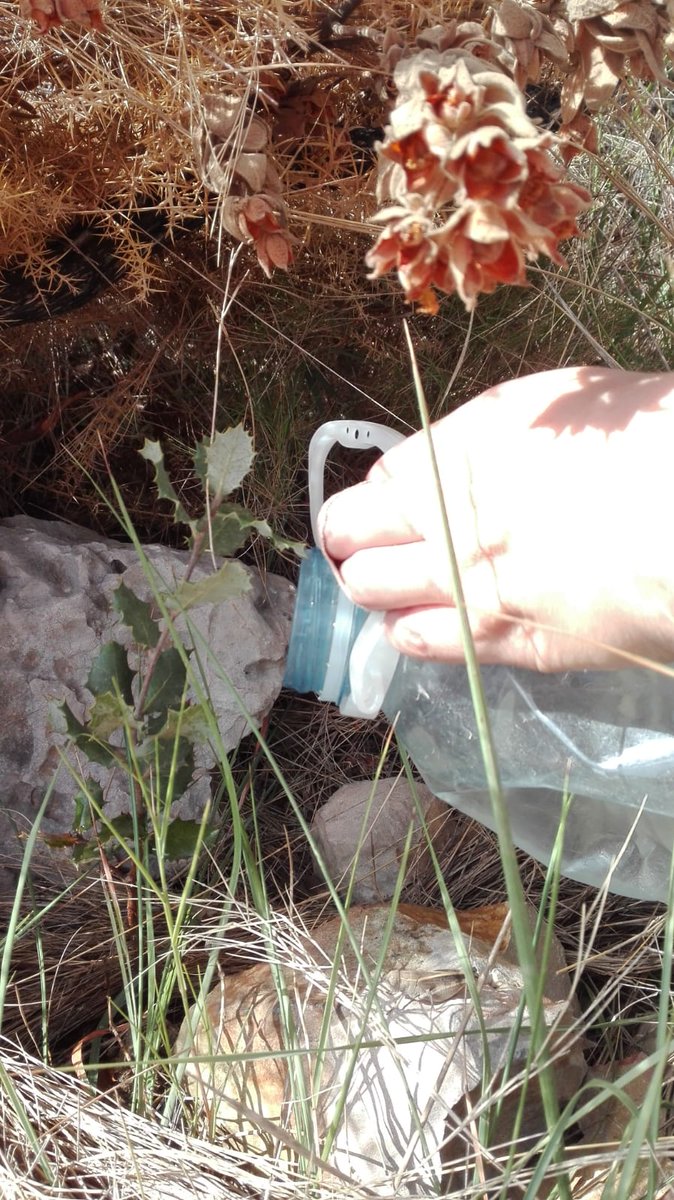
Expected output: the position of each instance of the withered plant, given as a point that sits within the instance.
(160, 162)
(212, 212)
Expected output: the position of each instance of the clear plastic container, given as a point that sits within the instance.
(607, 737)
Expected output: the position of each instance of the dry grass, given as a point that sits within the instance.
(96, 140)
(91, 1148)
(100, 197)
(66, 1136)
(65, 964)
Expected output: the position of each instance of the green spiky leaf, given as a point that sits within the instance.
(230, 581)
(137, 614)
(184, 838)
(109, 713)
(228, 529)
(110, 672)
(85, 852)
(66, 721)
(190, 722)
(94, 749)
(228, 457)
(200, 461)
(152, 451)
(122, 828)
(279, 543)
(232, 524)
(83, 819)
(167, 685)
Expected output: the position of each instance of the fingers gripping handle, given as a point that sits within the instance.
(373, 660)
(353, 435)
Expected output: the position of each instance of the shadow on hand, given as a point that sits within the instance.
(595, 405)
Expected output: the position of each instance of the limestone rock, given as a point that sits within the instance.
(377, 817)
(393, 1068)
(56, 586)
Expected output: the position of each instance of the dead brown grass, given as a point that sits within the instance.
(97, 151)
(101, 198)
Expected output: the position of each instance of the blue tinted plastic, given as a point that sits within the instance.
(313, 619)
(324, 629)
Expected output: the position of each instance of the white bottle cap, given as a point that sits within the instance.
(372, 666)
(345, 618)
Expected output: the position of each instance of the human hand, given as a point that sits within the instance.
(559, 490)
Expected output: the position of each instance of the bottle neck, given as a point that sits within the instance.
(324, 629)
(336, 649)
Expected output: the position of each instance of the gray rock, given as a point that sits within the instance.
(56, 587)
(377, 817)
(391, 1075)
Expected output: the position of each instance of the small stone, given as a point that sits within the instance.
(377, 817)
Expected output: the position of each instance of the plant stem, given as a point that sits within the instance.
(520, 920)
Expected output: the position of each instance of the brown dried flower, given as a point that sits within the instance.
(445, 99)
(300, 108)
(580, 133)
(232, 149)
(410, 246)
(229, 140)
(260, 220)
(488, 164)
(530, 35)
(611, 41)
(548, 202)
(461, 137)
(50, 13)
(468, 36)
(484, 250)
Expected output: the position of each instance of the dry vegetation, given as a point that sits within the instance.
(141, 295)
(117, 259)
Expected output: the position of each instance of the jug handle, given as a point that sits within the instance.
(370, 687)
(353, 435)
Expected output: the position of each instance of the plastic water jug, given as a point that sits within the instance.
(604, 737)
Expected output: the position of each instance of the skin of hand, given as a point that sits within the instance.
(559, 492)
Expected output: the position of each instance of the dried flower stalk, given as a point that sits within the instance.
(469, 189)
(232, 149)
